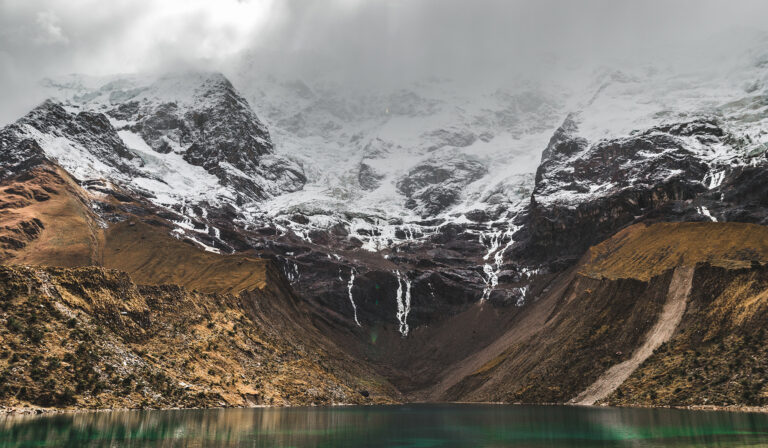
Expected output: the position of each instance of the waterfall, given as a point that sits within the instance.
(351, 298)
(715, 178)
(403, 302)
(291, 271)
(495, 250)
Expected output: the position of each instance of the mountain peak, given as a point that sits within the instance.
(140, 128)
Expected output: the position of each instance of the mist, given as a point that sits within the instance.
(376, 43)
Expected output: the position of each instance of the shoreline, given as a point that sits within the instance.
(24, 410)
(6, 412)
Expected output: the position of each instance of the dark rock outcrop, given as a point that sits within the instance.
(586, 192)
(437, 183)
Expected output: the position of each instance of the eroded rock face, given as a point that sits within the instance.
(18, 155)
(215, 128)
(437, 183)
(743, 194)
(59, 130)
(585, 192)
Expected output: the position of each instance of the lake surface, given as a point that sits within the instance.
(391, 426)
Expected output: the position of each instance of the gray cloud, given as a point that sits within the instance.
(375, 41)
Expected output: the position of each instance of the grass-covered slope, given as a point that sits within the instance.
(602, 312)
(46, 219)
(719, 355)
(642, 251)
(111, 310)
(91, 338)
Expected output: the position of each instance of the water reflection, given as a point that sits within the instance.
(396, 426)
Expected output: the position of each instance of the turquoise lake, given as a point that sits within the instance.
(391, 426)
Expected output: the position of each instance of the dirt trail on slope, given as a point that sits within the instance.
(671, 315)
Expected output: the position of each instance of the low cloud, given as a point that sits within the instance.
(372, 41)
(50, 31)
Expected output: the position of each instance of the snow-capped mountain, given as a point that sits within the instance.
(430, 151)
(189, 138)
(408, 194)
(661, 146)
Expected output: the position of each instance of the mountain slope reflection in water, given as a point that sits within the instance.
(391, 426)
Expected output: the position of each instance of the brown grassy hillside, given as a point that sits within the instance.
(642, 251)
(90, 337)
(719, 355)
(206, 330)
(602, 312)
(46, 220)
(591, 325)
(152, 257)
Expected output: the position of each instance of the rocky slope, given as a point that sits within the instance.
(201, 329)
(604, 310)
(91, 338)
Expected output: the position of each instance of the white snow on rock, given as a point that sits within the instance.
(356, 146)
(170, 178)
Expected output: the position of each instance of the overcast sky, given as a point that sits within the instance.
(352, 39)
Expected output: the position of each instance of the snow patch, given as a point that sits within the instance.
(705, 211)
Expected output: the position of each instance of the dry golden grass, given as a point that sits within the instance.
(91, 338)
(230, 335)
(719, 354)
(643, 251)
(153, 257)
(72, 236)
